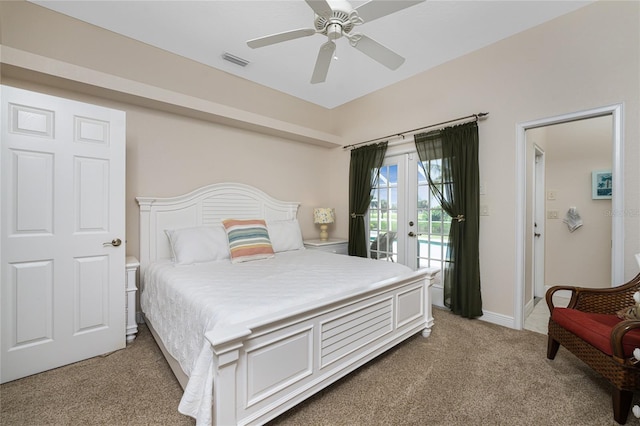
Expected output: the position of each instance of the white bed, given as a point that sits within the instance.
(289, 326)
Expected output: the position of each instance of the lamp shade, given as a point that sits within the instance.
(323, 215)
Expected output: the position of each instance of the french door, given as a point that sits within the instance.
(406, 223)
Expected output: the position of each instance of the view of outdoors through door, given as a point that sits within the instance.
(406, 197)
(433, 222)
(383, 215)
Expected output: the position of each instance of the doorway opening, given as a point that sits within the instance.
(531, 218)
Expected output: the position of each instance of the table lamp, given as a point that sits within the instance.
(323, 216)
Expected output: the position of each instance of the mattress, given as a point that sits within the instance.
(185, 302)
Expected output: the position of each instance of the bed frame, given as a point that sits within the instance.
(268, 365)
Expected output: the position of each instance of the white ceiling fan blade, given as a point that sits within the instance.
(320, 7)
(377, 9)
(375, 50)
(280, 37)
(322, 63)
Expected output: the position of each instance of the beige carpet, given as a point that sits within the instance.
(133, 386)
(467, 372)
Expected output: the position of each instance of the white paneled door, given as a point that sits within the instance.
(61, 232)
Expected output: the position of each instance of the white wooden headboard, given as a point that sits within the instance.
(204, 206)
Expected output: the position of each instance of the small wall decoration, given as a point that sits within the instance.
(601, 185)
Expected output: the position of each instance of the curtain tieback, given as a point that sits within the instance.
(459, 218)
(353, 215)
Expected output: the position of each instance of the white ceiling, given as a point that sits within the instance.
(427, 34)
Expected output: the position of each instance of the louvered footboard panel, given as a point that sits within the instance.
(344, 334)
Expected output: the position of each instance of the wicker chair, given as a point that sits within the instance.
(576, 328)
(382, 244)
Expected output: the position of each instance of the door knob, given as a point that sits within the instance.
(115, 242)
(411, 234)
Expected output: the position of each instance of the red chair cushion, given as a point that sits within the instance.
(595, 329)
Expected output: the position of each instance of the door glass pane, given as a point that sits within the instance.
(435, 168)
(433, 222)
(383, 215)
(428, 233)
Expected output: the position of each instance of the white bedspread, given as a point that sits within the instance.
(184, 302)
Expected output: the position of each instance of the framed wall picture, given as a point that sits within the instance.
(601, 185)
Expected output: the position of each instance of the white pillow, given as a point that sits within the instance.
(198, 244)
(285, 235)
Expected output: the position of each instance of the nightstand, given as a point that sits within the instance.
(131, 264)
(332, 245)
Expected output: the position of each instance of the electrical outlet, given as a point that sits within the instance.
(551, 195)
(552, 214)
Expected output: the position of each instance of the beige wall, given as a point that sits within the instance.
(169, 154)
(583, 60)
(586, 59)
(573, 151)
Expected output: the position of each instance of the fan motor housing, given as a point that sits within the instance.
(334, 26)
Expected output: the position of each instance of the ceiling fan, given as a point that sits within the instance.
(336, 20)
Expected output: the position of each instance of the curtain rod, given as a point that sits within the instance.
(477, 117)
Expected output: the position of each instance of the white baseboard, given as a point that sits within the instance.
(437, 299)
(528, 308)
(499, 319)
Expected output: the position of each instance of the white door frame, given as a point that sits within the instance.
(617, 199)
(538, 220)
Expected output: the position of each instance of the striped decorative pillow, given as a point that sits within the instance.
(248, 239)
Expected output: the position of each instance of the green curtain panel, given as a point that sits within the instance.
(459, 196)
(363, 176)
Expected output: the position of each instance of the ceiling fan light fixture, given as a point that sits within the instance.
(334, 31)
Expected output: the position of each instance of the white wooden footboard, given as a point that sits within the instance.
(264, 368)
